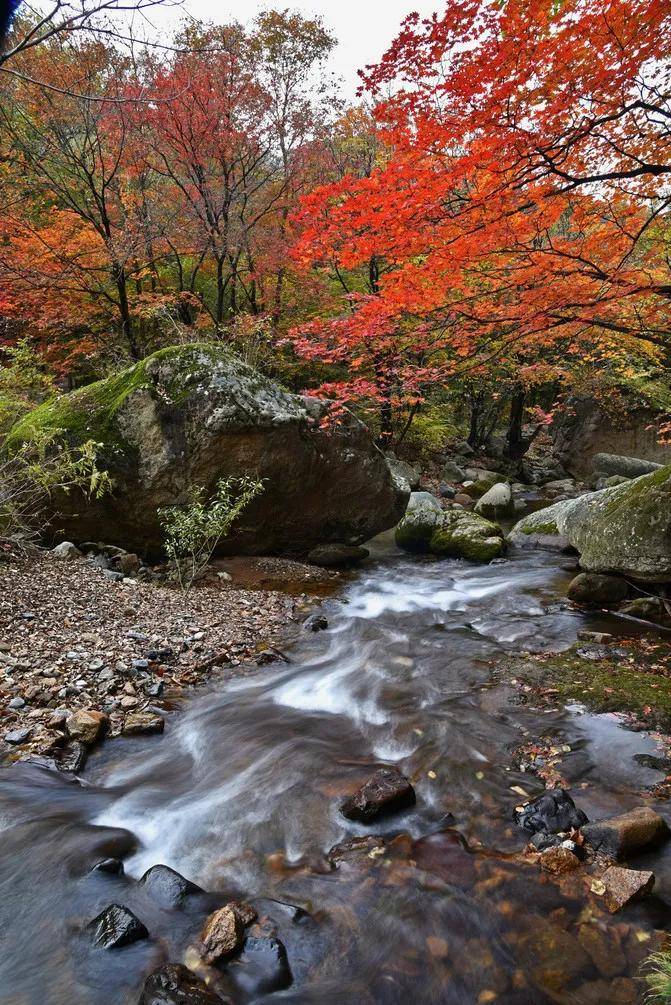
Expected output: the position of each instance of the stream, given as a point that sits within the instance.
(241, 796)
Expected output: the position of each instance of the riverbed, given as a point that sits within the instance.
(241, 795)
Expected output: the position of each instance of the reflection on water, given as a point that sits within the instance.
(241, 795)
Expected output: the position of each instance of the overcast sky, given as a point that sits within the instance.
(364, 29)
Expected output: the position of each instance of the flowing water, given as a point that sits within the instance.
(241, 795)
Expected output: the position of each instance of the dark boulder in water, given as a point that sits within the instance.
(263, 966)
(116, 926)
(387, 791)
(176, 985)
(167, 887)
(552, 813)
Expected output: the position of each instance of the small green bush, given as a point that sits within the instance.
(193, 531)
(657, 975)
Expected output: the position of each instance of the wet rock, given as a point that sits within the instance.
(66, 551)
(604, 949)
(16, 736)
(387, 791)
(628, 833)
(559, 860)
(110, 866)
(556, 956)
(553, 812)
(142, 724)
(222, 935)
(174, 984)
(328, 555)
(599, 638)
(72, 757)
(623, 886)
(356, 849)
(266, 966)
(116, 926)
(87, 725)
(316, 623)
(654, 763)
(597, 589)
(647, 608)
(168, 887)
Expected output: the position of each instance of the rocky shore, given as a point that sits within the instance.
(87, 651)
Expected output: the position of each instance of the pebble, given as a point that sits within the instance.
(18, 736)
(16, 703)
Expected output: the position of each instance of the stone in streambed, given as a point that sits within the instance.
(596, 589)
(624, 886)
(224, 931)
(72, 757)
(17, 736)
(116, 926)
(264, 966)
(143, 724)
(387, 791)
(497, 502)
(316, 623)
(559, 860)
(175, 984)
(328, 555)
(87, 725)
(168, 887)
(627, 833)
(553, 812)
(109, 866)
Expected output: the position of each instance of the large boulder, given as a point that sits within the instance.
(497, 502)
(607, 465)
(452, 533)
(189, 415)
(624, 529)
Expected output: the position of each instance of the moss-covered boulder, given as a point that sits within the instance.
(190, 415)
(455, 533)
(624, 529)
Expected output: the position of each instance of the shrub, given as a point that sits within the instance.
(37, 471)
(657, 974)
(193, 531)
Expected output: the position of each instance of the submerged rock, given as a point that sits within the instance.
(387, 791)
(596, 589)
(623, 886)
(328, 555)
(116, 926)
(174, 984)
(625, 529)
(168, 887)
(264, 966)
(189, 415)
(553, 812)
(628, 833)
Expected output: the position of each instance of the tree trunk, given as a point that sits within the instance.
(516, 445)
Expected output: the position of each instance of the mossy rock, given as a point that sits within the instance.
(451, 533)
(192, 414)
(421, 518)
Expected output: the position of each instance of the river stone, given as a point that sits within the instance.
(625, 530)
(628, 833)
(264, 966)
(623, 886)
(387, 791)
(168, 887)
(16, 736)
(72, 757)
(421, 518)
(86, 725)
(553, 812)
(328, 555)
(222, 935)
(66, 551)
(497, 502)
(606, 465)
(116, 926)
(174, 984)
(559, 860)
(597, 589)
(453, 473)
(404, 471)
(462, 534)
(142, 724)
(190, 415)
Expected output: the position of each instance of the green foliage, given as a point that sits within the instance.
(193, 531)
(33, 476)
(430, 431)
(23, 383)
(657, 975)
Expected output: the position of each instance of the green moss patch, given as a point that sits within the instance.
(541, 528)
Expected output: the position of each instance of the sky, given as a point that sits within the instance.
(364, 29)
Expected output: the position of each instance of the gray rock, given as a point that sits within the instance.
(110, 574)
(452, 472)
(194, 414)
(16, 736)
(450, 533)
(625, 529)
(404, 471)
(66, 551)
(496, 503)
(604, 465)
(16, 703)
(447, 491)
